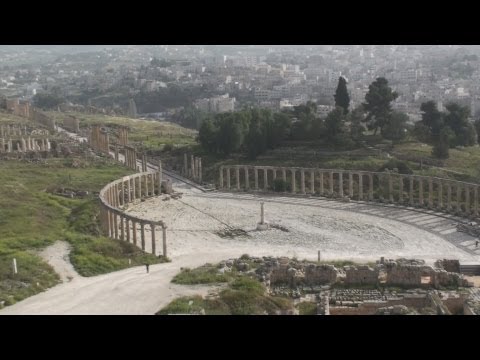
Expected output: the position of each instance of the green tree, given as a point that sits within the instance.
(356, 117)
(432, 119)
(396, 128)
(457, 120)
(377, 104)
(477, 128)
(256, 138)
(230, 134)
(207, 135)
(335, 122)
(441, 143)
(47, 101)
(342, 99)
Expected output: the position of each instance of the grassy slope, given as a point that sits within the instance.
(31, 219)
(150, 134)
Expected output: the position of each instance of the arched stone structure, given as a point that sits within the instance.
(119, 225)
(434, 193)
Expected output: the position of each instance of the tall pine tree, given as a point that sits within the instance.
(342, 99)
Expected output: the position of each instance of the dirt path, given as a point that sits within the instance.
(57, 255)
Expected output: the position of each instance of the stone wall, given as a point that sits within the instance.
(448, 265)
(361, 275)
(71, 123)
(320, 274)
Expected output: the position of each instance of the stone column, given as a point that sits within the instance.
(360, 186)
(400, 191)
(152, 176)
(255, 172)
(467, 199)
(390, 188)
(129, 196)
(321, 184)
(122, 230)
(312, 181)
(265, 179)
(228, 178)
(134, 232)
(475, 200)
(160, 173)
(200, 170)
(247, 180)
(164, 233)
(116, 152)
(237, 177)
(440, 194)
(142, 235)
(420, 191)
(127, 228)
(185, 167)
(115, 224)
(430, 193)
(139, 178)
(302, 181)
(410, 193)
(294, 186)
(284, 175)
(112, 225)
(350, 184)
(195, 175)
(340, 184)
(192, 168)
(274, 172)
(221, 175)
(3, 145)
(449, 197)
(152, 227)
(331, 182)
(370, 190)
(145, 179)
(459, 198)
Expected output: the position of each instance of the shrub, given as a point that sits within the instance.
(402, 166)
(279, 185)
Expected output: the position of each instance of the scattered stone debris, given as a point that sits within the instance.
(279, 227)
(410, 286)
(68, 193)
(231, 233)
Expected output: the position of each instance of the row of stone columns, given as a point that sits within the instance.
(351, 183)
(13, 130)
(119, 225)
(134, 187)
(24, 145)
(99, 140)
(130, 157)
(195, 171)
(122, 135)
(144, 163)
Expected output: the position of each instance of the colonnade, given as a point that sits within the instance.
(118, 225)
(432, 192)
(24, 145)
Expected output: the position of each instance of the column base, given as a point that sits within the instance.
(264, 226)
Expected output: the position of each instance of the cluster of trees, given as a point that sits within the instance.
(445, 130)
(47, 101)
(255, 130)
(252, 131)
